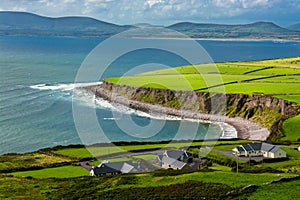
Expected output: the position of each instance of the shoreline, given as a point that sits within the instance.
(245, 129)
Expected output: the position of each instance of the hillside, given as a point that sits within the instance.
(21, 23)
(294, 27)
(254, 30)
(265, 92)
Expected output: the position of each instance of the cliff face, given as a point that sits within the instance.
(266, 111)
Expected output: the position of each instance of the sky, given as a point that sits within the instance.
(165, 12)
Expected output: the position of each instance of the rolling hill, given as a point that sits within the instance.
(258, 30)
(21, 23)
(294, 27)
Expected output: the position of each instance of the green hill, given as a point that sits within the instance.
(294, 27)
(21, 23)
(265, 92)
(254, 30)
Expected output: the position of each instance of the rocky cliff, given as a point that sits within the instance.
(267, 111)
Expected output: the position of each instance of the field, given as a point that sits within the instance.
(279, 78)
(55, 172)
(135, 186)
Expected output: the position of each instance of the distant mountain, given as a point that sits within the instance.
(258, 30)
(21, 23)
(294, 27)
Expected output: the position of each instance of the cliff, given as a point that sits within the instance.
(241, 110)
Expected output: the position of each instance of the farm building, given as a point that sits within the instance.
(259, 149)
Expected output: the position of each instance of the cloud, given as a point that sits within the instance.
(161, 11)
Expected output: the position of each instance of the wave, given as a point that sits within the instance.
(227, 130)
(64, 87)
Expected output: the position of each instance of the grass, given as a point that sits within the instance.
(231, 76)
(55, 172)
(10, 162)
(205, 75)
(88, 152)
(221, 168)
(292, 128)
(15, 187)
(282, 191)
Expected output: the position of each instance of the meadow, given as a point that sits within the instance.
(279, 78)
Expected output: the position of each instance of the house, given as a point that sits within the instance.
(259, 149)
(174, 159)
(179, 155)
(110, 168)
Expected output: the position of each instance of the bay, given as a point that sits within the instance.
(36, 88)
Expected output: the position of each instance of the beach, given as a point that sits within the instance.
(244, 129)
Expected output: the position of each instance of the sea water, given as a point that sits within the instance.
(37, 80)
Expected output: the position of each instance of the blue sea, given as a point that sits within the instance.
(36, 89)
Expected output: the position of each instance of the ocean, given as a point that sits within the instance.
(37, 80)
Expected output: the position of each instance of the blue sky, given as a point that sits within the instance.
(165, 12)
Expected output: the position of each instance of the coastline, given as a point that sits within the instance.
(244, 129)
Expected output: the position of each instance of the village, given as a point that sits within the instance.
(179, 159)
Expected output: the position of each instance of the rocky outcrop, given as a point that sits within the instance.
(241, 110)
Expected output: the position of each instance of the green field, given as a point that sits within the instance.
(55, 172)
(279, 78)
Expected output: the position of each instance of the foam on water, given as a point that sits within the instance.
(64, 87)
(84, 97)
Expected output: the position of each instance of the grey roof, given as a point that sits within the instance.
(274, 149)
(267, 146)
(240, 149)
(173, 162)
(160, 157)
(105, 170)
(114, 167)
(177, 154)
(255, 146)
(247, 147)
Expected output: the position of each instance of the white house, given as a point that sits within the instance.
(259, 149)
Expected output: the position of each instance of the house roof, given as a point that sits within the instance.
(240, 149)
(247, 147)
(254, 146)
(105, 170)
(114, 167)
(274, 149)
(176, 154)
(173, 162)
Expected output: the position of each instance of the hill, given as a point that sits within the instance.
(264, 92)
(294, 27)
(21, 23)
(258, 30)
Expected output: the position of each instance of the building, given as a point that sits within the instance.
(174, 159)
(110, 168)
(259, 149)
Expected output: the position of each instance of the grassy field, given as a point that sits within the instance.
(55, 172)
(282, 191)
(279, 78)
(15, 187)
(88, 152)
(10, 162)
